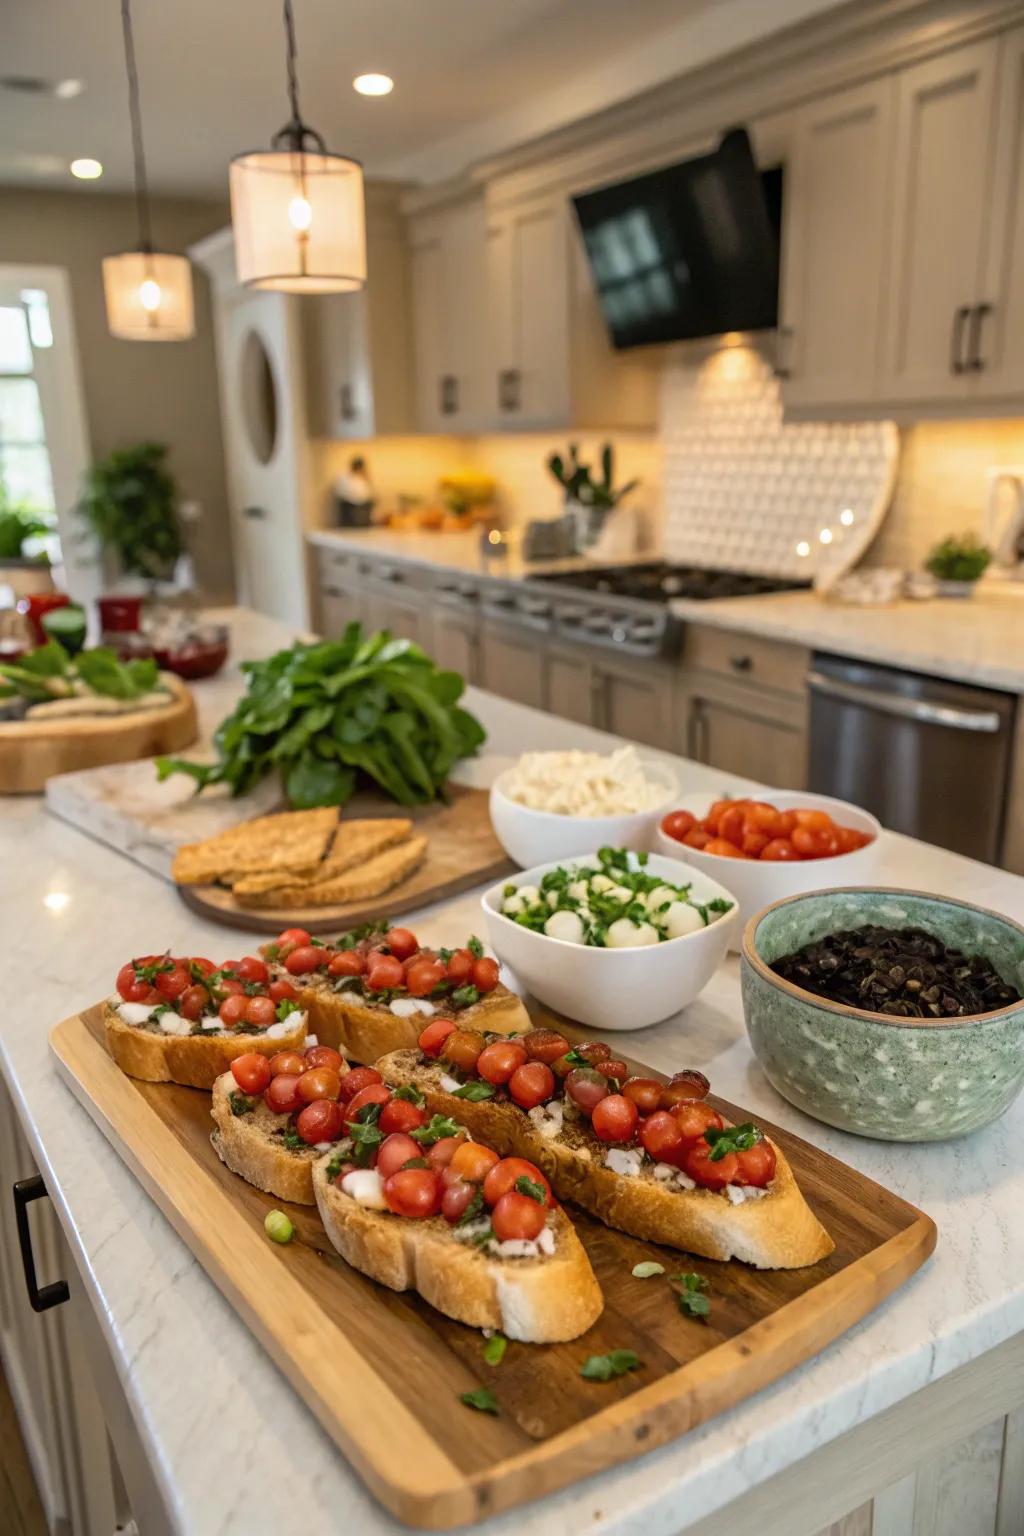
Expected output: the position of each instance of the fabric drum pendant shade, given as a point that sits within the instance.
(299, 221)
(149, 296)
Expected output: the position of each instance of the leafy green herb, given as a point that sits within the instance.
(416, 1162)
(483, 1238)
(241, 1104)
(321, 716)
(607, 1367)
(472, 1210)
(574, 1058)
(648, 1268)
(474, 1091)
(691, 1294)
(365, 1133)
(436, 1129)
(160, 1010)
(286, 1007)
(334, 1167)
(734, 1138)
(494, 1349)
(530, 1187)
(464, 996)
(481, 1398)
(292, 1140)
(271, 952)
(411, 1094)
(476, 949)
(155, 968)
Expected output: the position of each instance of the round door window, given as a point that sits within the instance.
(259, 397)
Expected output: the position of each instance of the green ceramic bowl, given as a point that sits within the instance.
(892, 1078)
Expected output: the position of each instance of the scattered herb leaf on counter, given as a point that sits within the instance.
(494, 1349)
(648, 1268)
(321, 714)
(690, 1295)
(482, 1399)
(606, 1367)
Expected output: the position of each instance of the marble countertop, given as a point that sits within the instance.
(213, 1412)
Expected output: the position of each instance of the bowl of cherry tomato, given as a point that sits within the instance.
(765, 849)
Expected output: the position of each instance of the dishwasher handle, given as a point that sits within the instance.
(986, 721)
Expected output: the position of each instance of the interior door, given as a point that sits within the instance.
(999, 329)
(942, 187)
(837, 201)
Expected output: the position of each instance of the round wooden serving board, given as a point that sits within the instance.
(32, 751)
(462, 851)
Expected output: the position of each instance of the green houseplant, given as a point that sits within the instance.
(961, 559)
(130, 501)
(589, 497)
(18, 522)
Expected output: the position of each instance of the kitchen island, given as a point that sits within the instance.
(923, 1401)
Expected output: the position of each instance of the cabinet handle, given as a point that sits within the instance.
(741, 663)
(254, 512)
(508, 389)
(697, 733)
(333, 592)
(956, 340)
(975, 361)
(449, 394)
(25, 1191)
(599, 700)
(346, 403)
(783, 337)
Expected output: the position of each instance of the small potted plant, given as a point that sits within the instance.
(589, 500)
(956, 563)
(130, 501)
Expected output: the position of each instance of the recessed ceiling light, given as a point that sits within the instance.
(66, 89)
(86, 169)
(374, 85)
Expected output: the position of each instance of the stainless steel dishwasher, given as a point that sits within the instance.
(929, 757)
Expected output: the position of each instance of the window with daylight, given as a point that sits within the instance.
(26, 478)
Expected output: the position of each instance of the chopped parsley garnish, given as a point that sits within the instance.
(607, 1367)
(241, 1104)
(482, 1399)
(476, 949)
(474, 1091)
(464, 996)
(436, 1129)
(734, 1138)
(494, 1349)
(285, 1008)
(292, 1140)
(472, 1210)
(411, 1094)
(527, 1186)
(689, 1290)
(415, 1162)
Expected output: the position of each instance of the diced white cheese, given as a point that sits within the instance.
(135, 1013)
(681, 918)
(210, 1023)
(625, 1161)
(684, 1181)
(406, 1007)
(566, 926)
(739, 1192)
(663, 1172)
(547, 1118)
(309, 1042)
(513, 1248)
(282, 1027)
(625, 934)
(472, 1230)
(450, 1084)
(366, 1187)
(174, 1024)
(323, 1146)
(546, 1241)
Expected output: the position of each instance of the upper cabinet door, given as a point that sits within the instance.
(837, 199)
(430, 363)
(527, 366)
(942, 186)
(997, 341)
(447, 297)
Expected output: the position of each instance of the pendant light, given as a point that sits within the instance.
(297, 209)
(148, 292)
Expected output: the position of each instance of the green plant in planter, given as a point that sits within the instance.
(130, 501)
(18, 521)
(959, 559)
(579, 484)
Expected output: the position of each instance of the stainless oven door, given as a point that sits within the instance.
(929, 757)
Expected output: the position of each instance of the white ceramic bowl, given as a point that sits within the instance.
(529, 836)
(757, 884)
(613, 988)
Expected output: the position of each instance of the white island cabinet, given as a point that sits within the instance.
(911, 1424)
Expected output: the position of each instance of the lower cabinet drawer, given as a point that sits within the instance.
(770, 663)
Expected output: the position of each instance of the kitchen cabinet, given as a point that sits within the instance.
(339, 592)
(739, 731)
(942, 182)
(406, 617)
(572, 685)
(1000, 328)
(456, 643)
(837, 193)
(513, 663)
(447, 267)
(626, 698)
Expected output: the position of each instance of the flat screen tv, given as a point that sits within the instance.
(692, 250)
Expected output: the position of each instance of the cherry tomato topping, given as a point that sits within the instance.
(756, 1165)
(531, 1084)
(694, 1117)
(723, 849)
(645, 1093)
(460, 966)
(171, 984)
(376, 1093)
(442, 1152)
(754, 844)
(384, 973)
(293, 936)
(250, 968)
(593, 1050)
(463, 1048)
(394, 1152)
(434, 1036)
(485, 974)
(282, 1094)
(204, 967)
(401, 942)
(192, 1002)
(400, 1115)
(680, 1093)
(321, 1120)
(662, 1138)
(586, 1087)
(230, 987)
(697, 838)
(615, 1118)
(612, 1067)
(544, 1045)
(497, 1061)
(677, 823)
(251, 1072)
(279, 991)
(319, 1083)
(473, 1162)
(456, 1200)
(304, 959)
(324, 1056)
(355, 1081)
(695, 1082)
(232, 1009)
(287, 1061)
(518, 1217)
(697, 1163)
(260, 1011)
(730, 825)
(779, 850)
(347, 962)
(423, 976)
(413, 1192)
(503, 1175)
(126, 982)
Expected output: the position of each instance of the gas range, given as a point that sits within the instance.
(625, 607)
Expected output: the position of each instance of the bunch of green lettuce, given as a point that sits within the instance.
(320, 715)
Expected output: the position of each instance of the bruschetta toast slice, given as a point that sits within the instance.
(372, 990)
(174, 1020)
(647, 1156)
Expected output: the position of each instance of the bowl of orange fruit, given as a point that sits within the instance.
(778, 843)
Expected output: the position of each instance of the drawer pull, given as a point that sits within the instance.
(741, 663)
(41, 1300)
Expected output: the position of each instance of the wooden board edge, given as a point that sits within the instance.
(420, 1485)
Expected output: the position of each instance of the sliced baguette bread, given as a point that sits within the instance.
(249, 1138)
(195, 1060)
(776, 1230)
(536, 1300)
(367, 1030)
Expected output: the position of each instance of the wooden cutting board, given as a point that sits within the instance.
(462, 852)
(32, 751)
(384, 1372)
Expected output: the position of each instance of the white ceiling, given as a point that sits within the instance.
(471, 76)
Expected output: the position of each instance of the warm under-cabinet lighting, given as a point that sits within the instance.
(373, 85)
(86, 169)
